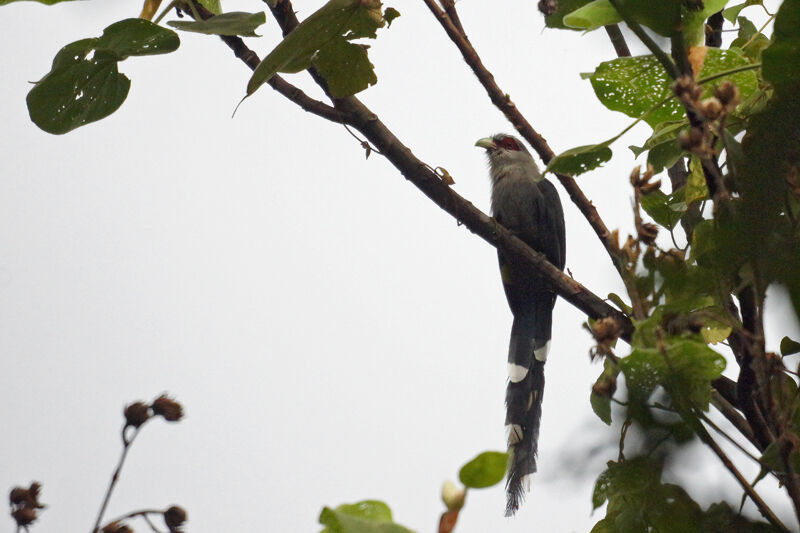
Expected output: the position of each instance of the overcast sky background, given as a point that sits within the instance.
(332, 335)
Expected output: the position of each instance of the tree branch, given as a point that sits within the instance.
(618, 40)
(763, 508)
(416, 171)
(279, 84)
(419, 173)
(502, 101)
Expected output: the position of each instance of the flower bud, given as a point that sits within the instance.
(453, 496)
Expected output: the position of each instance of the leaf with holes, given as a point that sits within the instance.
(346, 68)
(639, 85)
(79, 89)
(351, 19)
(137, 37)
(684, 368)
(578, 160)
(665, 210)
(233, 23)
(84, 84)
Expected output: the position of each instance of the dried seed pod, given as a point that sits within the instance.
(647, 232)
(136, 414)
(174, 517)
(728, 94)
(168, 408)
(711, 108)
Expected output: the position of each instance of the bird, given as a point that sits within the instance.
(528, 205)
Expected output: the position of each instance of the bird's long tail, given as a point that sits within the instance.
(530, 340)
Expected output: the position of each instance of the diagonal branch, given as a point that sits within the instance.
(618, 40)
(502, 101)
(288, 90)
(419, 173)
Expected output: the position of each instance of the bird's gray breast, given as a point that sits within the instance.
(513, 198)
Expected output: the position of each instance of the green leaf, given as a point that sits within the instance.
(716, 333)
(685, 369)
(696, 188)
(137, 37)
(663, 147)
(620, 303)
(389, 15)
(556, 18)
(214, 6)
(732, 12)
(233, 23)
(485, 470)
(601, 487)
(663, 17)
(749, 40)
(601, 405)
(77, 91)
(693, 22)
(369, 516)
(352, 19)
(789, 346)
(345, 67)
(638, 86)
(781, 61)
(665, 210)
(84, 84)
(591, 16)
(578, 160)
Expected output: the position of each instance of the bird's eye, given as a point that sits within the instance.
(509, 143)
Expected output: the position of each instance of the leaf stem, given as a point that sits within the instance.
(651, 45)
(165, 11)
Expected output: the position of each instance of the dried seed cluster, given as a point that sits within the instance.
(138, 413)
(25, 504)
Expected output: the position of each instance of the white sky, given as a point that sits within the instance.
(332, 334)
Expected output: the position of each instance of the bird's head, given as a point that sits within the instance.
(505, 151)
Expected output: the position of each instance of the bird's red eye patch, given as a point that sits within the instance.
(509, 143)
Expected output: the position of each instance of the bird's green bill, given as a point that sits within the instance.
(486, 142)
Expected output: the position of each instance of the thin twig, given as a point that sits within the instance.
(143, 513)
(651, 45)
(763, 508)
(732, 415)
(727, 437)
(450, 9)
(126, 445)
(503, 102)
(279, 84)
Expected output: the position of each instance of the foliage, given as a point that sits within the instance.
(724, 122)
